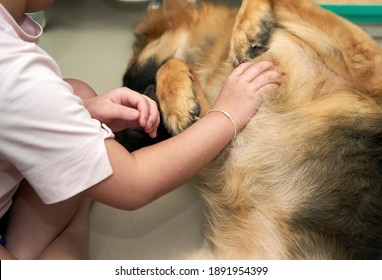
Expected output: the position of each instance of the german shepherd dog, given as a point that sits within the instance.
(303, 180)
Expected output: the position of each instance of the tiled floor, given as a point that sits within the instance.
(91, 40)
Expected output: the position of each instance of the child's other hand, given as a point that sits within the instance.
(122, 108)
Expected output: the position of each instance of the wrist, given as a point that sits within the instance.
(218, 124)
(228, 116)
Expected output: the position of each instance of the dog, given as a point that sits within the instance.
(303, 180)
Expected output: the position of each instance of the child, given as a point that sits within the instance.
(57, 148)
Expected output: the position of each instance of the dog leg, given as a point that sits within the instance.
(180, 97)
(252, 30)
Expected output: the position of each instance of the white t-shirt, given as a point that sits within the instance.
(46, 134)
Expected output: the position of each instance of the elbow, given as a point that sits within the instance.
(133, 202)
(123, 198)
(137, 202)
(130, 206)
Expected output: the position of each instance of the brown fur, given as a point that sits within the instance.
(304, 179)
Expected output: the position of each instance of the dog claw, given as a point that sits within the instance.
(240, 61)
(255, 44)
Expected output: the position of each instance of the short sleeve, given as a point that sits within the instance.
(45, 131)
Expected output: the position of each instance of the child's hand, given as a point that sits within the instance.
(122, 108)
(243, 90)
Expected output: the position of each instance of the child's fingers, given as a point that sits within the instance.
(122, 112)
(268, 77)
(269, 88)
(147, 108)
(255, 70)
(249, 70)
(153, 118)
(241, 68)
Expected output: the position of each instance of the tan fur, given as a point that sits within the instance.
(303, 180)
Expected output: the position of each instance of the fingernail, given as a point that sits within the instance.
(133, 114)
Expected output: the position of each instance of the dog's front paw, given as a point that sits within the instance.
(177, 100)
(250, 38)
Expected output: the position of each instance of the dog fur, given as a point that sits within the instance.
(304, 179)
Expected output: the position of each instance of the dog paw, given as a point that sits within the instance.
(177, 100)
(249, 39)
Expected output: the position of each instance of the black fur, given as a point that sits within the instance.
(141, 79)
(345, 206)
